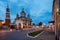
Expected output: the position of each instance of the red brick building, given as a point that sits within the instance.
(7, 20)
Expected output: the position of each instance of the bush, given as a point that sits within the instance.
(35, 33)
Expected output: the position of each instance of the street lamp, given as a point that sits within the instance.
(56, 27)
(3, 22)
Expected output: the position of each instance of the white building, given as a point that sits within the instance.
(22, 21)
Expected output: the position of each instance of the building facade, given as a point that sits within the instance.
(59, 14)
(7, 20)
(56, 14)
(22, 21)
(1, 23)
(55, 6)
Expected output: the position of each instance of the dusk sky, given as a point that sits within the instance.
(40, 10)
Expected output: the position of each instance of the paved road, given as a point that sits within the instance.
(15, 35)
(21, 35)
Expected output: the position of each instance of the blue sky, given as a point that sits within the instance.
(40, 10)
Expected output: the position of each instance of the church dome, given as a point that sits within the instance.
(22, 14)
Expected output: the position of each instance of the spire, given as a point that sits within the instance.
(23, 14)
(28, 15)
(7, 5)
(17, 15)
(23, 9)
(7, 20)
(7, 8)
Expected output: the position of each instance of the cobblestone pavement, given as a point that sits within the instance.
(21, 35)
(15, 35)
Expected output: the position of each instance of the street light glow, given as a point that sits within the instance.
(2, 22)
(11, 30)
(57, 9)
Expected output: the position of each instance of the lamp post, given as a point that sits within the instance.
(56, 27)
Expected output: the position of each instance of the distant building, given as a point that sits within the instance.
(1, 23)
(22, 21)
(55, 6)
(7, 20)
(56, 13)
(59, 14)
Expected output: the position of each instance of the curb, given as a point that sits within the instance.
(35, 36)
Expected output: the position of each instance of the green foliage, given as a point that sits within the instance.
(33, 23)
(40, 23)
(35, 33)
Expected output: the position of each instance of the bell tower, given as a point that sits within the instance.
(7, 20)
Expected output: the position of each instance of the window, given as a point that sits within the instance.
(59, 4)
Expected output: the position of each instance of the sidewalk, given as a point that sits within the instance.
(59, 34)
(4, 31)
(47, 35)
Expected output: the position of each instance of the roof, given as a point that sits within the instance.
(51, 21)
(1, 20)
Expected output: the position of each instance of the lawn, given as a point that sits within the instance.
(35, 33)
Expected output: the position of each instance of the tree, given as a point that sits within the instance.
(33, 23)
(40, 23)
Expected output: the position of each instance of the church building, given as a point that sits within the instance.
(21, 21)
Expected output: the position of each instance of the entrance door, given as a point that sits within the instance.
(19, 26)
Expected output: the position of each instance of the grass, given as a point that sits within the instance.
(34, 33)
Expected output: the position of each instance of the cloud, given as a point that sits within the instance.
(47, 16)
(2, 6)
(13, 1)
(2, 10)
(12, 17)
(39, 9)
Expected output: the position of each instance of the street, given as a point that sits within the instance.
(15, 35)
(22, 35)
